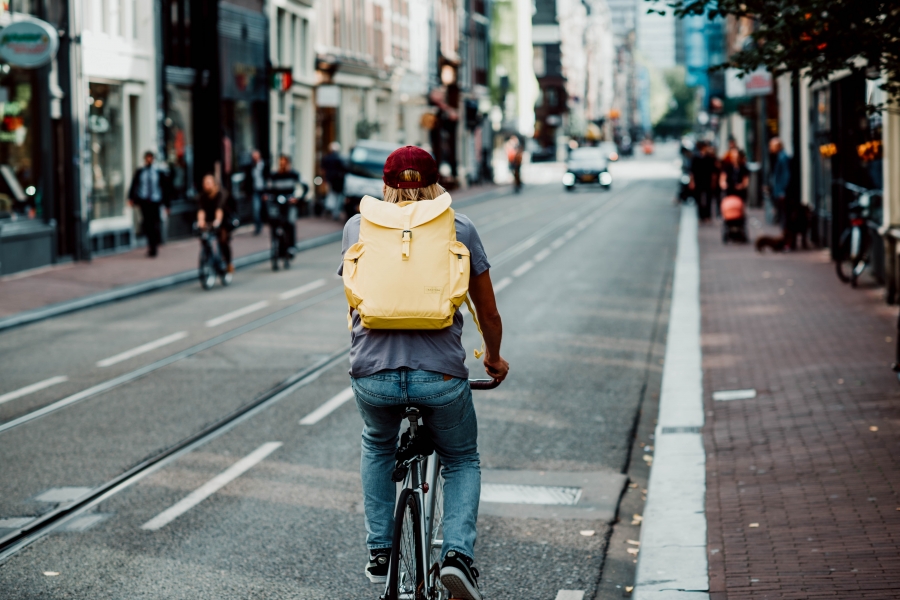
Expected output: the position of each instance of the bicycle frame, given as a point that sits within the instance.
(422, 484)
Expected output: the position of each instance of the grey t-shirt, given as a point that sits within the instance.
(373, 350)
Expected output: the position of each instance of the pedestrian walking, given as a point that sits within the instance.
(216, 209)
(514, 154)
(254, 184)
(703, 169)
(334, 167)
(149, 191)
(734, 179)
(419, 366)
(779, 180)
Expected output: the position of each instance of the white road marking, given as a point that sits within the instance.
(327, 408)
(523, 268)
(60, 495)
(106, 362)
(570, 595)
(510, 493)
(500, 285)
(725, 395)
(301, 290)
(237, 313)
(557, 243)
(34, 387)
(15, 522)
(210, 487)
(542, 254)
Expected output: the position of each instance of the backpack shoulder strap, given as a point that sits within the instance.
(478, 353)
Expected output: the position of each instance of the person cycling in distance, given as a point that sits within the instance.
(213, 212)
(393, 368)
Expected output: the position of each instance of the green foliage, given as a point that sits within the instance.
(816, 37)
(682, 108)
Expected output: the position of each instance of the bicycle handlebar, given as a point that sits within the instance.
(483, 384)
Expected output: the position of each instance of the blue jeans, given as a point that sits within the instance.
(449, 416)
(257, 211)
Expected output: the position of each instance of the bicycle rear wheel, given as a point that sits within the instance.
(207, 270)
(406, 579)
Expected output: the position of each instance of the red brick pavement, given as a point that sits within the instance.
(803, 496)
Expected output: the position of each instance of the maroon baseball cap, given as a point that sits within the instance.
(410, 158)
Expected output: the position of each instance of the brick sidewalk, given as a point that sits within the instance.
(802, 481)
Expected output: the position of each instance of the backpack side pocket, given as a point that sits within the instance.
(351, 275)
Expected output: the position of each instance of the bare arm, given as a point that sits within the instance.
(481, 291)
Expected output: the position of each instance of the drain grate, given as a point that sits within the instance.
(506, 493)
(687, 429)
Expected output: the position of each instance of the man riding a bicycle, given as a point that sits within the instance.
(392, 369)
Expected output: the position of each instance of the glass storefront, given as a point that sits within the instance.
(20, 196)
(107, 152)
(180, 140)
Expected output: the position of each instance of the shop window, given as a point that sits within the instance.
(105, 128)
(180, 140)
(19, 197)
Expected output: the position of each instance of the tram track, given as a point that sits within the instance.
(40, 527)
(58, 517)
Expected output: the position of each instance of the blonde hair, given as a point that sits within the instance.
(396, 195)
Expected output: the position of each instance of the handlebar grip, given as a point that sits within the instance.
(483, 384)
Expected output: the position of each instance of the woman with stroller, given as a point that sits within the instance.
(734, 181)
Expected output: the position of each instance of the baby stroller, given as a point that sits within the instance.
(734, 226)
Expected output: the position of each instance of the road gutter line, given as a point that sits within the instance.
(143, 348)
(673, 560)
(34, 387)
(210, 487)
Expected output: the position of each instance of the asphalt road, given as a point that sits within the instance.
(584, 279)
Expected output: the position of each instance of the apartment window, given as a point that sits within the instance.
(178, 36)
(304, 46)
(540, 61)
(378, 35)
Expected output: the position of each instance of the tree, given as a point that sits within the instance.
(815, 37)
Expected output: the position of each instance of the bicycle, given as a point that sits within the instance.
(211, 264)
(414, 568)
(855, 241)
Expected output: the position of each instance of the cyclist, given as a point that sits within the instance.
(390, 369)
(211, 212)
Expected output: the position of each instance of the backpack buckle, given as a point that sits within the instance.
(406, 237)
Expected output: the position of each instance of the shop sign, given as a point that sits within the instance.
(282, 80)
(328, 96)
(28, 43)
(755, 83)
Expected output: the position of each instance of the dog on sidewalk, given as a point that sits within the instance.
(778, 243)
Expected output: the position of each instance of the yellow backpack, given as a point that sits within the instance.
(407, 271)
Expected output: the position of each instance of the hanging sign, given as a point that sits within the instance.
(282, 80)
(28, 43)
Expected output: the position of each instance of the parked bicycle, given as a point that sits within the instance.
(211, 263)
(414, 572)
(855, 242)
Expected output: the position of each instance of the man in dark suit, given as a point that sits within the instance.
(149, 191)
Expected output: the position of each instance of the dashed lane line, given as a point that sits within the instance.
(570, 595)
(523, 268)
(164, 362)
(542, 255)
(34, 387)
(501, 285)
(210, 487)
(235, 314)
(299, 291)
(329, 407)
(142, 349)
